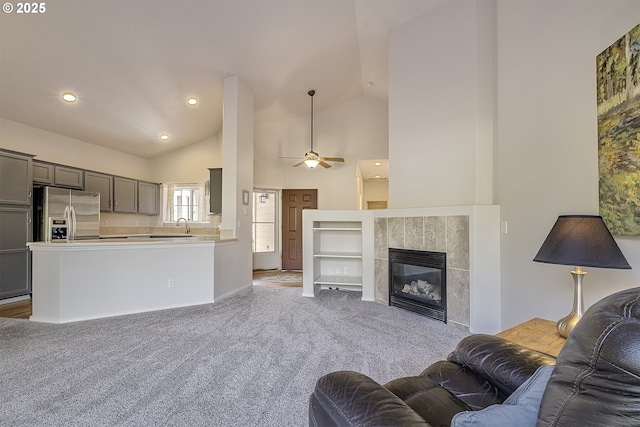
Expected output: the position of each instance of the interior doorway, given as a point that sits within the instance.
(293, 203)
(265, 230)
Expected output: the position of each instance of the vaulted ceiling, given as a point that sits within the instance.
(133, 64)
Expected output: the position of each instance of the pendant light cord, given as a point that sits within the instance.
(311, 93)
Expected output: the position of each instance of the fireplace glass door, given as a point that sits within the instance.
(417, 281)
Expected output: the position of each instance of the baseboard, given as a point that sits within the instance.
(15, 299)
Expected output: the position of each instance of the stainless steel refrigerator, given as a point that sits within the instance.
(66, 215)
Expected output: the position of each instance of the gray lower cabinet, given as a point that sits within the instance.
(148, 198)
(15, 257)
(103, 184)
(125, 195)
(15, 223)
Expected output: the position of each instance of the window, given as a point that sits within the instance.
(264, 221)
(184, 201)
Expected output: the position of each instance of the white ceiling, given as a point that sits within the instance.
(133, 64)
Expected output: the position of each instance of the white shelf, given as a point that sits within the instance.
(349, 255)
(337, 229)
(339, 280)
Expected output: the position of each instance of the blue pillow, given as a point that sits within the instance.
(519, 410)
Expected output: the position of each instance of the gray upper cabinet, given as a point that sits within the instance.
(16, 179)
(148, 198)
(68, 177)
(125, 195)
(42, 173)
(215, 190)
(117, 194)
(103, 184)
(45, 173)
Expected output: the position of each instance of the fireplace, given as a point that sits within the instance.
(418, 282)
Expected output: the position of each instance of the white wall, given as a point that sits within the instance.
(56, 148)
(375, 191)
(547, 144)
(539, 123)
(189, 164)
(356, 129)
(441, 107)
(233, 262)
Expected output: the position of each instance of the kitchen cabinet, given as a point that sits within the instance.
(215, 190)
(16, 184)
(16, 181)
(103, 184)
(148, 198)
(125, 195)
(15, 257)
(64, 176)
(42, 173)
(58, 175)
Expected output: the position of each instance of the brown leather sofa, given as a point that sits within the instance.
(595, 382)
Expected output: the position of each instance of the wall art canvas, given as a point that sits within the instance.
(618, 91)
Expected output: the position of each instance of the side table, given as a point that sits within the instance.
(537, 334)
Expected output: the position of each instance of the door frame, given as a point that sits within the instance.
(270, 260)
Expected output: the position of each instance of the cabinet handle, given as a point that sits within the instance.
(29, 195)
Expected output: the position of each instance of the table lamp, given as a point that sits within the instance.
(581, 241)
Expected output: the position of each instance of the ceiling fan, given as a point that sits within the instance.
(311, 158)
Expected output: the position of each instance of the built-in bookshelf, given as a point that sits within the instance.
(338, 252)
(337, 255)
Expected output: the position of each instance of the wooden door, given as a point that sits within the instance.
(293, 202)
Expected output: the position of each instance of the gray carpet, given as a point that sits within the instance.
(248, 360)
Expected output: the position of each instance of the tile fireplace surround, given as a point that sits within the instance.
(448, 234)
(469, 235)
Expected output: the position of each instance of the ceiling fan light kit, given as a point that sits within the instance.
(311, 158)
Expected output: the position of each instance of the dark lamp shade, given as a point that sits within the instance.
(581, 240)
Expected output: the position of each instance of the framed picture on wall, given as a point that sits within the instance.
(618, 100)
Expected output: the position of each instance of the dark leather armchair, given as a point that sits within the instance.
(596, 381)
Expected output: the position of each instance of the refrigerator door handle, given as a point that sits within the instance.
(72, 236)
(67, 218)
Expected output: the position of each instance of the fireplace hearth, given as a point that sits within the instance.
(418, 282)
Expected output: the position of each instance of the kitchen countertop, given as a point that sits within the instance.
(129, 241)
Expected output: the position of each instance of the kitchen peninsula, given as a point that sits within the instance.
(91, 279)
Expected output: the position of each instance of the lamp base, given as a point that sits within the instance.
(566, 324)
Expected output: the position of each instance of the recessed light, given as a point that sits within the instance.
(377, 164)
(192, 101)
(377, 176)
(69, 97)
(368, 84)
(164, 137)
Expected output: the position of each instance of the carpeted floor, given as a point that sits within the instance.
(248, 360)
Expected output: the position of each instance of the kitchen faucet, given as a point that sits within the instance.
(186, 225)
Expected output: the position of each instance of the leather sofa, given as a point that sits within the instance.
(595, 381)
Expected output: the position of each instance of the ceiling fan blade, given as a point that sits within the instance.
(298, 164)
(333, 159)
(324, 165)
